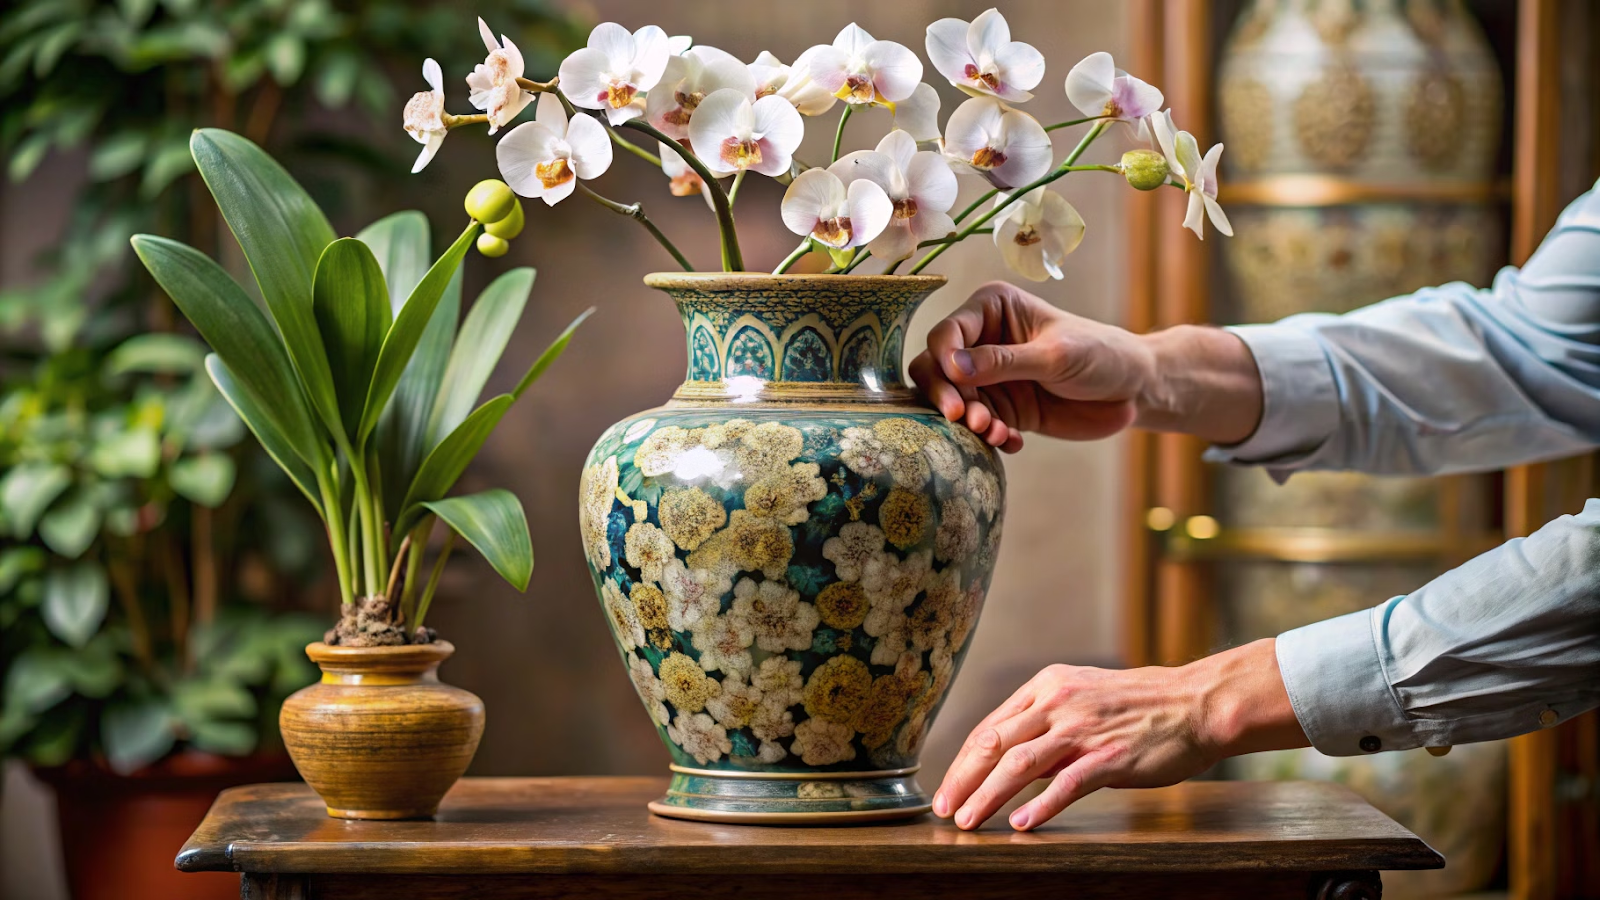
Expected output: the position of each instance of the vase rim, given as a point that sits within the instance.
(403, 656)
(815, 281)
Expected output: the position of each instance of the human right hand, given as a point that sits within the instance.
(1007, 362)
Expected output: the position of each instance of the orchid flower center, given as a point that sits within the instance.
(687, 103)
(685, 184)
(499, 65)
(1027, 236)
(741, 153)
(857, 89)
(834, 232)
(553, 173)
(905, 209)
(423, 113)
(988, 158)
(987, 76)
(1112, 108)
(619, 94)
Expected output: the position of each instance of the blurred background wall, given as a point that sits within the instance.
(544, 663)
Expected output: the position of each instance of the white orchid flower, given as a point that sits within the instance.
(616, 69)
(679, 44)
(547, 157)
(424, 116)
(792, 83)
(687, 80)
(682, 180)
(1035, 234)
(1004, 145)
(1199, 175)
(859, 69)
(982, 59)
(920, 187)
(918, 115)
(494, 81)
(730, 133)
(1098, 88)
(819, 206)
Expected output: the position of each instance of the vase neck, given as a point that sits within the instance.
(795, 338)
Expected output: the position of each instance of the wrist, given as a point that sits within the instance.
(1199, 380)
(1240, 704)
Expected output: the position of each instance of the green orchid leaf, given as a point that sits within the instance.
(494, 523)
(206, 479)
(136, 733)
(402, 434)
(550, 354)
(243, 338)
(406, 332)
(351, 304)
(156, 354)
(282, 233)
(483, 338)
(71, 525)
(75, 602)
(262, 425)
(445, 463)
(400, 243)
(27, 491)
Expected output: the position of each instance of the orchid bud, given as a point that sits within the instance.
(490, 200)
(510, 226)
(1146, 170)
(491, 246)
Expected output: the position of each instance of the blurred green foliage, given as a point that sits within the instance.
(141, 537)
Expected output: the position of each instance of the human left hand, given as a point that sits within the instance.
(1087, 728)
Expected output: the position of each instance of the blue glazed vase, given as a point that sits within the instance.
(792, 553)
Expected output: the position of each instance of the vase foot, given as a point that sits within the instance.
(792, 798)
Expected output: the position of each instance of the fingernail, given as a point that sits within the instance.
(1019, 820)
(941, 806)
(963, 361)
(964, 818)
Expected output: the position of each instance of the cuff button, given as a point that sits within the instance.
(1371, 744)
(1548, 718)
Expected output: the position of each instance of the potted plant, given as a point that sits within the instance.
(794, 551)
(358, 383)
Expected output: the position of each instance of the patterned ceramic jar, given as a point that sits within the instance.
(792, 552)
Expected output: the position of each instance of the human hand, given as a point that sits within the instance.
(1007, 362)
(1087, 728)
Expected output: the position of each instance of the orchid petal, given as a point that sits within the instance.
(918, 115)
(1089, 83)
(1161, 124)
(1188, 156)
(1218, 217)
(813, 195)
(584, 79)
(1207, 176)
(551, 114)
(432, 75)
(1135, 98)
(1019, 258)
(720, 116)
(879, 168)
(489, 43)
(773, 119)
(896, 71)
(1062, 222)
(1194, 216)
(616, 43)
(721, 69)
(590, 147)
(852, 39)
(616, 116)
(970, 127)
(521, 151)
(897, 242)
(1023, 66)
(870, 210)
(931, 224)
(513, 56)
(679, 44)
(947, 50)
(560, 192)
(827, 66)
(652, 49)
(900, 147)
(429, 148)
(1029, 153)
(931, 182)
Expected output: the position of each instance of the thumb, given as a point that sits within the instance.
(988, 364)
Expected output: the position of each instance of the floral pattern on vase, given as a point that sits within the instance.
(792, 582)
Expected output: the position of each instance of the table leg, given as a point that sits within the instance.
(1360, 885)
(274, 887)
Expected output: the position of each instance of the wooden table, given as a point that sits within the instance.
(528, 838)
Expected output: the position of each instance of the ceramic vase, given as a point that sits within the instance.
(380, 737)
(792, 553)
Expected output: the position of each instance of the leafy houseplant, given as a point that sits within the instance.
(360, 386)
(794, 552)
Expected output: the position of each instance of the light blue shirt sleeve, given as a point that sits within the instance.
(1449, 379)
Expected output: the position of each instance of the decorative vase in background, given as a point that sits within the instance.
(792, 552)
(380, 737)
(1362, 141)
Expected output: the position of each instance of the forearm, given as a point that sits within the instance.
(1200, 381)
(1240, 702)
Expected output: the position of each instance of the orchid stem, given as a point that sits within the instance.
(538, 87)
(1059, 125)
(867, 254)
(1065, 167)
(732, 258)
(433, 578)
(633, 148)
(838, 134)
(733, 192)
(454, 122)
(987, 196)
(793, 257)
(635, 211)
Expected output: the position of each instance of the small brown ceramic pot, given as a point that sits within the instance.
(380, 737)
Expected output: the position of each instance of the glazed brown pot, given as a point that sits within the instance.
(380, 737)
(119, 833)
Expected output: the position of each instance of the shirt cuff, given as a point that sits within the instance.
(1338, 688)
(1300, 401)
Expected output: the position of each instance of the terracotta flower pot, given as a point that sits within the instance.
(380, 737)
(119, 833)
(792, 552)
